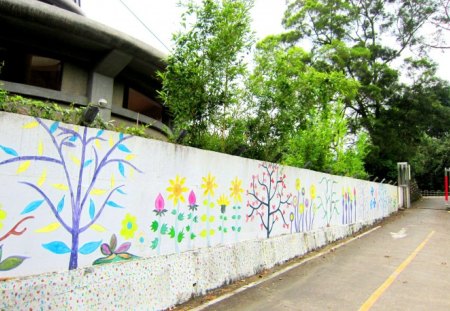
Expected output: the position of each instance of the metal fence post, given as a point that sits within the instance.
(404, 176)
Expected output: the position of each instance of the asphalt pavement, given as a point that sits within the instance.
(402, 265)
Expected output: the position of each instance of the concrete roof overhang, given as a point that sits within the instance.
(63, 34)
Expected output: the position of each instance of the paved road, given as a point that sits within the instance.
(404, 265)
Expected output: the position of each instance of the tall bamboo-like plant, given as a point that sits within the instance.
(202, 83)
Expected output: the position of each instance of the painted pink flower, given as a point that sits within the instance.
(192, 201)
(159, 206)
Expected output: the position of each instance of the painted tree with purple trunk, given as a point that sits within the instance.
(267, 198)
(81, 173)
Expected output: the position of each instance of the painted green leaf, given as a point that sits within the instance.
(233, 217)
(11, 263)
(180, 236)
(239, 229)
(233, 228)
(225, 218)
(154, 243)
(196, 219)
(174, 212)
(225, 230)
(189, 216)
(164, 229)
(180, 216)
(154, 226)
(239, 217)
(193, 236)
(220, 217)
(220, 228)
(172, 232)
(188, 228)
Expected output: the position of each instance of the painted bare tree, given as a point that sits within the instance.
(78, 186)
(267, 198)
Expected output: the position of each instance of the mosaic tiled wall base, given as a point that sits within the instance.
(98, 219)
(160, 282)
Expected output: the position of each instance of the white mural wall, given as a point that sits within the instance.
(74, 197)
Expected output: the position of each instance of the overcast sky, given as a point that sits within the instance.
(162, 18)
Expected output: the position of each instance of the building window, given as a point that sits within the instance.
(45, 72)
(30, 69)
(138, 102)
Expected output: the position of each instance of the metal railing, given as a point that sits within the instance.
(432, 193)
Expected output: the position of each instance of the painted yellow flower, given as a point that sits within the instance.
(209, 184)
(236, 189)
(312, 192)
(297, 184)
(176, 189)
(223, 200)
(2, 216)
(129, 226)
(301, 208)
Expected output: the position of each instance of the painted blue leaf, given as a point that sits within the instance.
(73, 138)
(91, 209)
(69, 144)
(32, 206)
(86, 163)
(121, 136)
(113, 204)
(99, 133)
(54, 127)
(121, 191)
(123, 148)
(61, 205)
(121, 169)
(9, 151)
(89, 247)
(57, 247)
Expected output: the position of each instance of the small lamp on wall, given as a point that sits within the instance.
(89, 114)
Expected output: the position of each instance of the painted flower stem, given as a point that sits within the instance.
(208, 239)
(177, 247)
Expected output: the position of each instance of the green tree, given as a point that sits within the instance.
(284, 89)
(203, 81)
(350, 36)
(323, 144)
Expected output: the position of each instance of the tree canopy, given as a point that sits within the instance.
(338, 91)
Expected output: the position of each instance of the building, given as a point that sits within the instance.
(50, 50)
